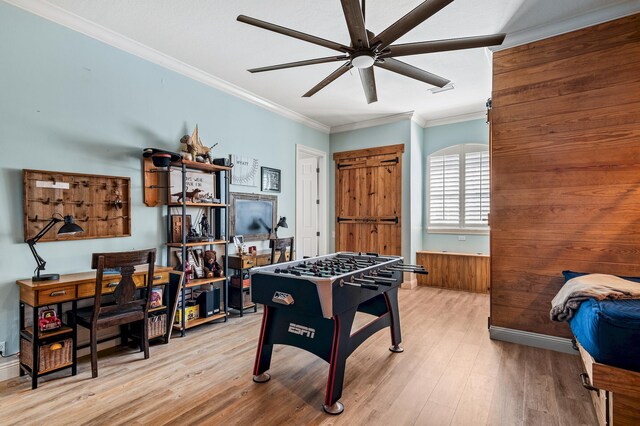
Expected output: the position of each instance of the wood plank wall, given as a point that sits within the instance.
(454, 271)
(565, 176)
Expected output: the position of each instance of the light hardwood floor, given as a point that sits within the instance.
(450, 373)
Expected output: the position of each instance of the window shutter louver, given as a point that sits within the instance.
(476, 188)
(444, 190)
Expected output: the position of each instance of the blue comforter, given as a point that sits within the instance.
(610, 331)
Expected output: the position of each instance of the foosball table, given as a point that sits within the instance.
(311, 304)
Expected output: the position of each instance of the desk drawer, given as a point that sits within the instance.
(160, 277)
(109, 285)
(241, 262)
(56, 295)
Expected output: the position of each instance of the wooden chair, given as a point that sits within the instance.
(125, 306)
(281, 245)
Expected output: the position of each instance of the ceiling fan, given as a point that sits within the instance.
(367, 49)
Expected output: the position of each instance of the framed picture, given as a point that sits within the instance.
(193, 262)
(156, 297)
(198, 255)
(176, 227)
(245, 170)
(270, 179)
(201, 187)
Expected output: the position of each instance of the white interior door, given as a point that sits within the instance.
(308, 226)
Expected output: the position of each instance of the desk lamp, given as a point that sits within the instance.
(282, 223)
(69, 228)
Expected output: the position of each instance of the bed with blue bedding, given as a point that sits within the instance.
(609, 329)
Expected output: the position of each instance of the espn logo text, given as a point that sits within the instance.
(302, 330)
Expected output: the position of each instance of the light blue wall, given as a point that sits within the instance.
(71, 103)
(436, 138)
(386, 134)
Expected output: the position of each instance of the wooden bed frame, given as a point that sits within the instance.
(615, 392)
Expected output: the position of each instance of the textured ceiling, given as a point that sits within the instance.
(206, 35)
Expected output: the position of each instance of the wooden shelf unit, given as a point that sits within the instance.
(202, 281)
(49, 333)
(218, 216)
(199, 321)
(201, 166)
(189, 204)
(197, 244)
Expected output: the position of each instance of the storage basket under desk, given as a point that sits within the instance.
(51, 355)
(157, 325)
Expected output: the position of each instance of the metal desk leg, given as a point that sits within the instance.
(74, 339)
(22, 373)
(35, 345)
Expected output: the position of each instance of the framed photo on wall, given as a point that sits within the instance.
(270, 179)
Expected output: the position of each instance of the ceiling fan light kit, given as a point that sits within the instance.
(362, 60)
(367, 51)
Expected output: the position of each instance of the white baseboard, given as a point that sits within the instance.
(9, 369)
(558, 344)
(410, 281)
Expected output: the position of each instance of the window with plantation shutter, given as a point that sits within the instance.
(476, 188)
(458, 188)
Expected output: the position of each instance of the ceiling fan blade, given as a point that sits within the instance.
(324, 83)
(300, 63)
(368, 79)
(412, 72)
(443, 45)
(408, 22)
(354, 16)
(295, 34)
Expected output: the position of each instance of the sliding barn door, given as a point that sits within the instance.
(368, 200)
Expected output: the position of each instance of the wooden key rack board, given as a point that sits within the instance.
(101, 205)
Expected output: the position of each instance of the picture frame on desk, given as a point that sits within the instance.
(271, 179)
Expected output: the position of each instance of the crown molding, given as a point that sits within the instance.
(419, 120)
(372, 123)
(91, 29)
(456, 119)
(540, 32)
(409, 115)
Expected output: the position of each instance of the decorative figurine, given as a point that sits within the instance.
(193, 146)
(211, 266)
(48, 320)
(187, 273)
(204, 225)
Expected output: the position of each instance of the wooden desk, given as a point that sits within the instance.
(69, 288)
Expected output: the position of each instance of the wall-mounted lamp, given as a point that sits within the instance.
(69, 228)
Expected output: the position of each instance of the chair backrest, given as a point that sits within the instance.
(281, 245)
(125, 295)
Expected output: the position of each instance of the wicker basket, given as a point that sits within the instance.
(52, 355)
(157, 325)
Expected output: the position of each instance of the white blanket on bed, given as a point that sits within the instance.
(592, 286)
